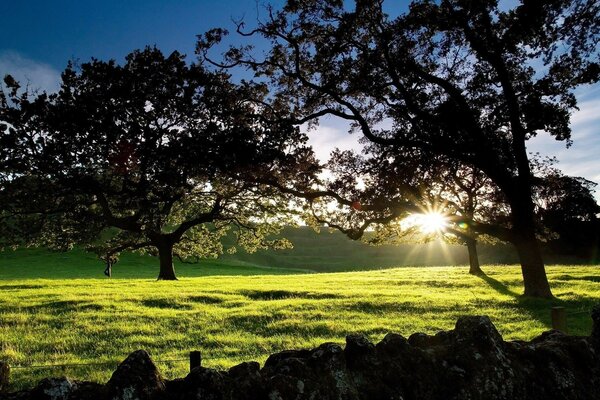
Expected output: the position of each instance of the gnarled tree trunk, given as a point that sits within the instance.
(532, 266)
(474, 267)
(530, 255)
(165, 254)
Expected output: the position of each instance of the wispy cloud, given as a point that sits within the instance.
(330, 135)
(39, 76)
(583, 157)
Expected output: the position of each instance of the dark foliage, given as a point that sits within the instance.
(154, 155)
(459, 79)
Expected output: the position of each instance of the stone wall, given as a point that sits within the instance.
(470, 362)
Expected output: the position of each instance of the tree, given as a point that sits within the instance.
(464, 195)
(437, 189)
(155, 156)
(569, 214)
(462, 79)
(443, 199)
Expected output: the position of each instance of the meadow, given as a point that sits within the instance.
(57, 308)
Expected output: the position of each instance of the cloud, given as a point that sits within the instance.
(329, 136)
(39, 76)
(581, 159)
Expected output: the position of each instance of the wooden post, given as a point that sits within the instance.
(4, 376)
(559, 319)
(195, 359)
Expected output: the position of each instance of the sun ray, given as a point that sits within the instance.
(430, 222)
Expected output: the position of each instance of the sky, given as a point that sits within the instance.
(39, 37)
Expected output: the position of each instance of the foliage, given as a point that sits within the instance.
(462, 194)
(154, 155)
(464, 80)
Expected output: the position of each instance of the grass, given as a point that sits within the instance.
(77, 264)
(57, 310)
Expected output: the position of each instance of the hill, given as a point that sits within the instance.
(328, 251)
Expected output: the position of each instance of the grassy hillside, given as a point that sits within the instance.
(58, 308)
(235, 318)
(312, 252)
(329, 251)
(34, 263)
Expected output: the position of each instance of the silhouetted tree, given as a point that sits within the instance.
(467, 80)
(379, 179)
(154, 155)
(466, 195)
(569, 214)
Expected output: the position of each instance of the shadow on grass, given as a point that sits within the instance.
(277, 324)
(539, 309)
(497, 285)
(66, 306)
(374, 307)
(20, 287)
(206, 299)
(165, 304)
(285, 294)
(589, 278)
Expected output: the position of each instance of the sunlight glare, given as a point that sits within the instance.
(431, 222)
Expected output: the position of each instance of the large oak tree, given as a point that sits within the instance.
(463, 79)
(378, 180)
(153, 155)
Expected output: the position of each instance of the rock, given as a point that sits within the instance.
(328, 363)
(366, 375)
(476, 361)
(408, 367)
(327, 355)
(470, 362)
(275, 359)
(206, 384)
(318, 374)
(422, 340)
(478, 331)
(595, 336)
(136, 378)
(246, 381)
(287, 375)
(245, 370)
(392, 345)
(53, 389)
(283, 387)
(4, 376)
(87, 391)
(359, 352)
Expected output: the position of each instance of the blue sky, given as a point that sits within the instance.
(55, 31)
(38, 37)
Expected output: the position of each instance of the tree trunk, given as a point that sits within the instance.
(532, 266)
(523, 218)
(165, 254)
(474, 267)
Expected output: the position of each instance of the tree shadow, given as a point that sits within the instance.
(589, 278)
(578, 310)
(497, 285)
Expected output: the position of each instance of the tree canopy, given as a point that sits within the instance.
(153, 155)
(461, 79)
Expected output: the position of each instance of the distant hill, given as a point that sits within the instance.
(328, 251)
(331, 250)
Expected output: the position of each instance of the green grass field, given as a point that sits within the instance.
(56, 308)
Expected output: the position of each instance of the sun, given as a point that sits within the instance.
(429, 222)
(432, 222)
